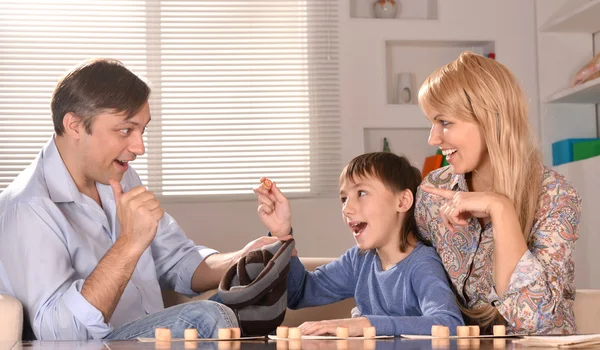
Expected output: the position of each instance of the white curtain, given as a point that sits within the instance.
(240, 89)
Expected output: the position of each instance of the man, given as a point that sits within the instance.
(83, 245)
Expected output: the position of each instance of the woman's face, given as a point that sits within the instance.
(461, 142)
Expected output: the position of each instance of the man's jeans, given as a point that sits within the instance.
(205, 315)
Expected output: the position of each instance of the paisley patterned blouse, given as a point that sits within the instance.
(541, 292)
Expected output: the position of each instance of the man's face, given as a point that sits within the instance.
(113, 143)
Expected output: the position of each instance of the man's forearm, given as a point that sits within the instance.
(210, 271)
(105, 285)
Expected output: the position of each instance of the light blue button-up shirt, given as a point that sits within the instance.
(52, 237)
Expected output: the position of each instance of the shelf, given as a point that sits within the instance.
(588, 92)
(407, 116)
(421, 57)
(411, 143)
(584, 18)
(407, 9)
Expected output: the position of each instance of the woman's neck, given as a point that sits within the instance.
(479, 181)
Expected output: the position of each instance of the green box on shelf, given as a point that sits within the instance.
(586, 149)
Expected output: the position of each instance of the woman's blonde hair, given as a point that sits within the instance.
(480, 90)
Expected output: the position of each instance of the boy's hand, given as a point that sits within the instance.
(355, 326)
(273, 208)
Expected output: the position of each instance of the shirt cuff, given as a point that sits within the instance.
(189, 264)
(89, 316)
(527, 271)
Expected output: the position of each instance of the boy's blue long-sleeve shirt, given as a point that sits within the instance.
(408, 298)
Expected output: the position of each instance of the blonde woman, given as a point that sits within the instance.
(504, 225)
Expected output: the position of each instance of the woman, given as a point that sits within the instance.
(504, 225)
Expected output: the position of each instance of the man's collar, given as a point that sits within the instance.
(61, 185)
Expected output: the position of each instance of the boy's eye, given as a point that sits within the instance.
(125, 131)
(343, 199)
(362, 193)
(445, 123)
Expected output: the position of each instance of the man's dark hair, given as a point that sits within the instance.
(94, 87)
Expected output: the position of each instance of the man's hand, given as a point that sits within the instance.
(274, 208)
(138, 212)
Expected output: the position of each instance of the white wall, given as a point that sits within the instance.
(317, 222)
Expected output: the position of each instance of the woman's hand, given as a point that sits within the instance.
(460, 206)
(273, 208)
(355, 326)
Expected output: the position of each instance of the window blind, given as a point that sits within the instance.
(240, 89)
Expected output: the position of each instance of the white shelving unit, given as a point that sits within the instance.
(565, 44)
(407, 9)
(583, 18)
(588, 92)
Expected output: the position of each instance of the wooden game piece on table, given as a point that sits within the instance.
(236, 333)
(369, 332)
(162, 334)
(499, 330)
(342, 344)
(499, 343)
(463, 343)
(162, 344)
(435, 330)
(224, 345)
(282, 345)
(475, 343)
(462, 331)
(224, 333)
(369, 344)
(342, 332)
(190, 345)
(440, 343)
(190, 334)
(282, 332)
(294, 333)
(443, 332)
(474, 331)
(295, 344)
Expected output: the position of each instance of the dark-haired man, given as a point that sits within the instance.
(83, 245)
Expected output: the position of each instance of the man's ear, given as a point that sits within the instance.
(405, 201)
(73, 125)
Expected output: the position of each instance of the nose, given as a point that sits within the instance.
(137, 145)
(435, 137)
(348, 208)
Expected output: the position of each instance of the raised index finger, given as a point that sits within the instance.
(448, 194)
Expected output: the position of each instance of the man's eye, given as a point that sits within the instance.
(125, 131)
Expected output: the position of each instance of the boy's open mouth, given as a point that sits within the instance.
(358, 227)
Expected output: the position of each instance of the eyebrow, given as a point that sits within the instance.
(129, 121)
(356, 185)
(438, 116)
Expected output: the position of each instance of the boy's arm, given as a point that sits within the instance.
(435, 299)
(327, 284)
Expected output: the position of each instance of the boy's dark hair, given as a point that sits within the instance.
(397, 174)
(96, 86)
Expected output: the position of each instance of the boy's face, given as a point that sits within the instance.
(113, 143)
(372, 213)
